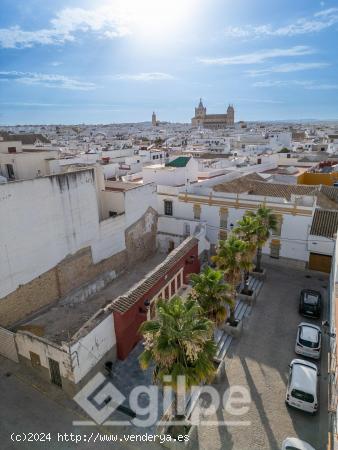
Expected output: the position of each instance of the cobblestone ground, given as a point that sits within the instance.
(259, 360)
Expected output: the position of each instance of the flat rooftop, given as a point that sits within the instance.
(62, 320)
(121, 186)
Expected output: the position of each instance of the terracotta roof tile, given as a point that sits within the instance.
(324, 223)
(126, 301)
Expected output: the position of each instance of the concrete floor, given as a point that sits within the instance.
(259, 361)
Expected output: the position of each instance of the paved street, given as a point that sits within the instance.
(31, 406)
(259, 360)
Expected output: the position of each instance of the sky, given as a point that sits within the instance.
(108, 61)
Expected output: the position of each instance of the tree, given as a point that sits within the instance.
(179, 342)
(266, 222)
(232, 259)
(284, 150)
(246, 230)
(211, 293)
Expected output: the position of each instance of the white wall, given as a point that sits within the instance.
(294, 231)
(89, 349)
(26, 343)
(138, 200)
(5, 144)
(27, 165)
(42, 221)
(322, 245)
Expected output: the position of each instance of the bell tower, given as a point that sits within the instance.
(230, 115)
(200, 111)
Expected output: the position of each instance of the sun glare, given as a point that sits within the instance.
(157, 18)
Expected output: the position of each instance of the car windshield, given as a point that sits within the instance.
(304, 396)
(310, 299)
(309, 337)
(288, 447)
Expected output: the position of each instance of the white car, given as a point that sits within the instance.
(309, 340)
(291, 443)
(302, 389)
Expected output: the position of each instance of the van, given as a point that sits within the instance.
(302, 388)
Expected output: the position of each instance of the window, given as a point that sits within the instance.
(168, 207)
(304, 396)
(179, 281)
(197, 212)
(173, 288)
(171, 246)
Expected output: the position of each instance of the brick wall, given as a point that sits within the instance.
(77, 269)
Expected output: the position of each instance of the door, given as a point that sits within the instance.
(320, 262)
(55, 374)
(10, 171)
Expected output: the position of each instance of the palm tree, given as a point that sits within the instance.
(266, 222)
(231, 258)
(211, 293)
(179, 342)
(246, 230)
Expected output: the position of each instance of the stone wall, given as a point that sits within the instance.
(141, 236)
(77, 269)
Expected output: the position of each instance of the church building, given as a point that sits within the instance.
(213, 121)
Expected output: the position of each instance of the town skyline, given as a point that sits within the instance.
(116, 62)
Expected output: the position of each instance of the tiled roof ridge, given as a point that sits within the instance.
(124, 302)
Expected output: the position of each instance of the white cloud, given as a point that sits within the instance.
(144, 76)
(46, 80)
(311, 85)
(289, 67)
(318, 22)
(106, 22)
(259, 56)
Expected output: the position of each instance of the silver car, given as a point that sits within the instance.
(309, 340)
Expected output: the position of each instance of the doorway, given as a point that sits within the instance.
(55, 374)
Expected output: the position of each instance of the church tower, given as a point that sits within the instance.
(153, 120)
(200, 111)
(230, 115)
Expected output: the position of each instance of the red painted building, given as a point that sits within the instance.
(138, 304)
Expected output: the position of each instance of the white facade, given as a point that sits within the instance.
(171, 176)
(296, 220)
(89, 349)
(51, 217)
(26, 165)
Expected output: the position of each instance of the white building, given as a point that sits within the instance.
(180, 171)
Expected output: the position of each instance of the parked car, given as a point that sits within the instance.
(309, 340)
(302, 388)
(291, 443)
(310, 303)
